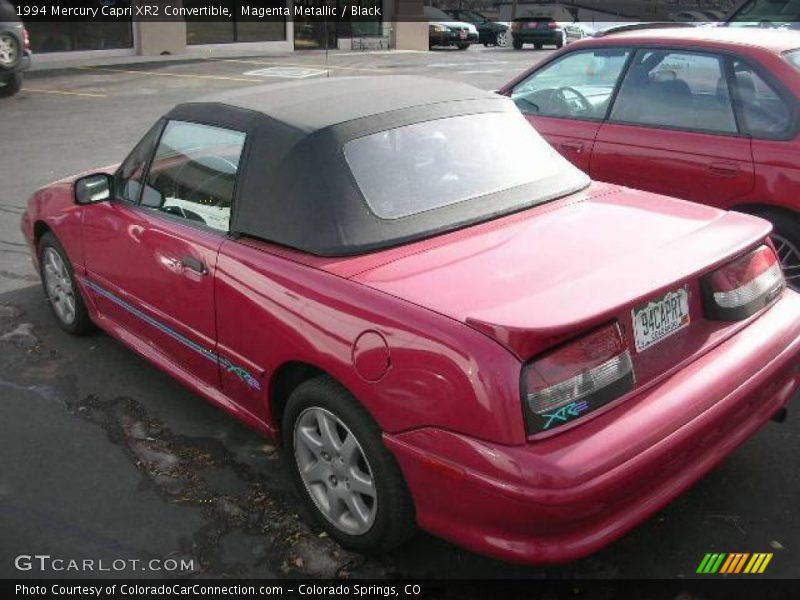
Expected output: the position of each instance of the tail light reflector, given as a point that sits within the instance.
(26, 39)
(743, 287)
(552, 25)
(576, 379)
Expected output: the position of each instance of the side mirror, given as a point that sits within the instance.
(94, 188)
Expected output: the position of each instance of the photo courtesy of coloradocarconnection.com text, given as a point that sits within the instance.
(400, 299)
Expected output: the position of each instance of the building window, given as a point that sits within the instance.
(232, 31)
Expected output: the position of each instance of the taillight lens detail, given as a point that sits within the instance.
(576, 379)
(26, 39)
(552, 25)
(743, 287)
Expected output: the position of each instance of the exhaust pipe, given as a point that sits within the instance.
(780, 415)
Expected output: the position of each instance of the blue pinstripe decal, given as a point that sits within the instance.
(209, 354)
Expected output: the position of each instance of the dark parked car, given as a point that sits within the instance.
(490, 33)
(15, 53)
(541, 31)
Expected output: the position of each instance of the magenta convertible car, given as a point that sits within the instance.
(444, 322)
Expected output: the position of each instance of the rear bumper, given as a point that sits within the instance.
(567, 496)
(545, 36)
(450, 38)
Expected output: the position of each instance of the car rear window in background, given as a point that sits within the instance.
(685, 90)
(425, 166)
(793, 56)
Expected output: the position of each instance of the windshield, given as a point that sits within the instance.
(766, 13)
(426, 166)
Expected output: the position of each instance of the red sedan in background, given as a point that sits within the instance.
(706, 114)
(475, 339)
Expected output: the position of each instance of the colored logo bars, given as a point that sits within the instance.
(738, 562)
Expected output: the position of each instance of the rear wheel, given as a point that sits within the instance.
(517, 44)
(463, 46)
(501, 39)
(60, 288)
(345, 475)
(786, 237)
(10, 85)
(538, 45)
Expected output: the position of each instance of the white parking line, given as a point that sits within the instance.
(287, 72)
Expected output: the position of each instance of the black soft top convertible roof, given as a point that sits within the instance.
(295, 187)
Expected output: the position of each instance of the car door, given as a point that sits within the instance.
(151, 252)
(567, 99)
(673, 130)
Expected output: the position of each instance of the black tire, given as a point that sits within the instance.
(538, 45)
(394, 520)
(517, 44)
(787, 227)
(462, 46)
(81, 324)
(11, 85)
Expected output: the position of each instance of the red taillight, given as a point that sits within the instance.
(552, 25)
(745, 286)
(576, 379)
(26, 39)
(516, 24)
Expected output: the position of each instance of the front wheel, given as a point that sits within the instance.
(501, 39)
(60, 288)
(345, 475)
(10, 85)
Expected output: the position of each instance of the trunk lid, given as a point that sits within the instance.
(540, 277)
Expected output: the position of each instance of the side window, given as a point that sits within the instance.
(130, 176)
(194, 173)
(580, 85)
(764, 111)
(676, 89)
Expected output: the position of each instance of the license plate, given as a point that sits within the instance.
(660, 318)
(462, 34)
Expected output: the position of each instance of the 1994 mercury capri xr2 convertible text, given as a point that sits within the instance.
(474, 338)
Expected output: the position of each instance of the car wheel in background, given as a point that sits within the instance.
(538, 45)
(462, 46)
(517, 44)
(60, 288)
(786, 237)
(10, 85)
(10, 51)
(345, 475)
(501, 39)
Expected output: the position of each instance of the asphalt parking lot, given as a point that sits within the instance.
(104, 457)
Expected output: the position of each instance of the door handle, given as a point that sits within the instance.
(576, 147)
(194, 264)
(724, 169)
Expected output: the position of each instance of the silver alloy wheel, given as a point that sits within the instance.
(789, 255)
(335, 471)
(59, 286)
(501, 39)
(8, 51)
